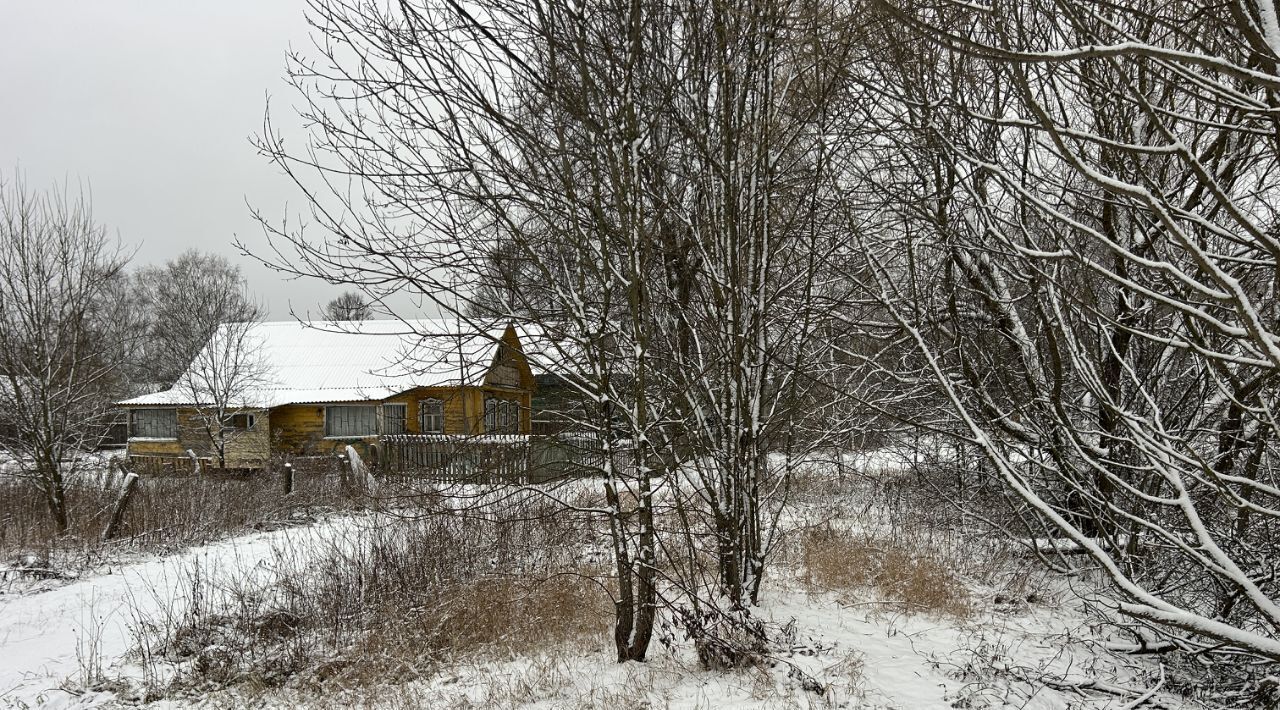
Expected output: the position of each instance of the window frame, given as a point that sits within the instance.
(509, 416)
(372, 408)
(133, 428)
(501, 416)
(403, 417)
(423, 406)
(250, 420)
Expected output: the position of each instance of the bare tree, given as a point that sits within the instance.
(61, 334)
(224, 381)
(188, 299)
(349, 306)
(1060, 218)
(637, 182)
(1101, 231)
(595, 265)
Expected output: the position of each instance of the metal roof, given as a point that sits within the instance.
(347, 361)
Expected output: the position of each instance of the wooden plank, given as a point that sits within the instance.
(504, 458)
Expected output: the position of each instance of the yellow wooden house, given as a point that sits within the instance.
(327, 385)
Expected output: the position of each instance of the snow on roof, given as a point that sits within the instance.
(351, 361)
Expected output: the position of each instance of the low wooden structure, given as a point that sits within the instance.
(489, 459)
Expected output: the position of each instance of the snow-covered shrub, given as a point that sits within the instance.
(390, 597)
(727, 640)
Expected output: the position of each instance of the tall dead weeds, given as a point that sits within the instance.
(904, 574)
(386, 602)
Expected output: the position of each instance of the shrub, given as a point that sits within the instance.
(387, 599)
(164, 512)
(906, 573)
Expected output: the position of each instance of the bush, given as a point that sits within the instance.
(906, 574)
(385, 600)
(164, 512)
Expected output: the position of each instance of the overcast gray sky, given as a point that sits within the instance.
(152, 104)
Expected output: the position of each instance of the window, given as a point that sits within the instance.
(501, 416)
(351, 421)
(431, 416)
(242, 421)
(154, 424)
(509, 417)
(393, 416)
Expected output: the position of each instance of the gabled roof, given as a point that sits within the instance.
(351, 361)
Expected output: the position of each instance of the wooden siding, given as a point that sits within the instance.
(154, 447)
(510, 368)
(522, 398)
(509, 378)
(298, 429)
(459, 408)
(244, 448)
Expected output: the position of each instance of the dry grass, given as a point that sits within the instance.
(389, 602)
(547, 681)
(900, 540)
(491, 618)
(395, 605)
(164, 512)
(904, 574)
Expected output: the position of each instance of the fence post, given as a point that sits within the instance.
(525, 460)
(122, 502)
(288, 478)
(195, 462)
(361, 477)
(110, 476)
(344, 474)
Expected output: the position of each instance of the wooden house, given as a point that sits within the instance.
(325, 386)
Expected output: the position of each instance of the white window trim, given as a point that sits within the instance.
(422, 419)
(503, 409)
(377, 411)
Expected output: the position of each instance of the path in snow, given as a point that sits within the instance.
(48, 638)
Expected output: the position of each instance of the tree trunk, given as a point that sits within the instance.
(55, 493)
(122, 503)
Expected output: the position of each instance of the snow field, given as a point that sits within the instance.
(990, 634)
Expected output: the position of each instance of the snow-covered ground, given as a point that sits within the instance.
(832, 650)
(54, 644)
(89, 467)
